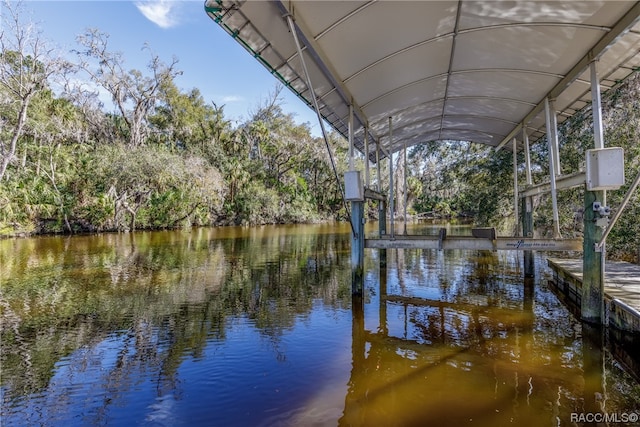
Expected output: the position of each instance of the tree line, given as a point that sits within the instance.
(165, 157)
(459, 178)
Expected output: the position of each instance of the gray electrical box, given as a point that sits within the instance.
(605, 169)
(353, 186)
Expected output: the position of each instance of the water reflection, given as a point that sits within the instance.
(257, 326)
(473, 344)
(93, 324)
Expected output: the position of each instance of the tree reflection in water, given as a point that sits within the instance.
(256, 326)
(479, 346)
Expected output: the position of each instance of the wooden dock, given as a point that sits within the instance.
(621, 288)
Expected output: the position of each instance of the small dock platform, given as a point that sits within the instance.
(622, 290)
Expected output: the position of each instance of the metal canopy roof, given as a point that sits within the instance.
(443, 70)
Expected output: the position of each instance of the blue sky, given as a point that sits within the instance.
(210, 60)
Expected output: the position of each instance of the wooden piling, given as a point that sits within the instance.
(592, 305)
(527, 231)
(357, 247)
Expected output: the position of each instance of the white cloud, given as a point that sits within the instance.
(160, 12)
(232, 98)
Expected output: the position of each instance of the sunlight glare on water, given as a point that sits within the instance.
(256, 326)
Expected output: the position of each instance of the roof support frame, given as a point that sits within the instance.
(623, 25)
(316, 52)
(465, 31)
(444, 99)
(398, 143)
(467, 116)
(612, 36)
(552, 168)
(450, 67)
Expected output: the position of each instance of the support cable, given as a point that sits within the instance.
(627, 197)
(317, 108)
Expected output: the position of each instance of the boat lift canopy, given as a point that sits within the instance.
(443, 70)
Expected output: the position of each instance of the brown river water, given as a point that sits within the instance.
(256, 326)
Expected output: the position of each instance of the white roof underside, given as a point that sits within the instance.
(443, 70)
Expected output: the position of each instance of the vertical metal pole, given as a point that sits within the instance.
(596, 107)
(378, 174)
(527, 155)
(593, 263)
(392, 212)
(552, 124)
(404, 212)
(596, 111)
(527, 209)
(552, 169)
(351, 150)
(382, 208)
(516, 198)
(367, 178)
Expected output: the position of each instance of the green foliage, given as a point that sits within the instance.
(458, 178)
(153, 188)
(463, 179)
(163, 158)
(166, 158)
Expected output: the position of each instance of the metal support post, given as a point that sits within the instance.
(527, 209)
(367, 178)
(516, 198)
(382, 206)
(596, 112)
(357, 247)
(596, 107)
(392, 210)
(527, 155)
(551, 131)
(552, 124)
(378, 174)
(351, 148)
(404, 188)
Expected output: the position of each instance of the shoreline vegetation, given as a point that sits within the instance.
(167, 158)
